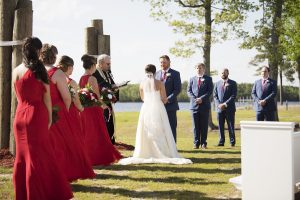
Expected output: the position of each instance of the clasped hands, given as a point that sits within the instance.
(222, 106)
(198, 100)
(262, 102)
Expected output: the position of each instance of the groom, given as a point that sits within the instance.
(172, 81)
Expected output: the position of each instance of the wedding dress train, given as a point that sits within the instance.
(154, 139)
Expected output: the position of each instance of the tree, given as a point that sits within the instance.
(201, 22)
(266, 39)
(291, 37)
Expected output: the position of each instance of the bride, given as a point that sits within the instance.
(154, 140)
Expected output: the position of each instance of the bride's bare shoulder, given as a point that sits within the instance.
(158, 84)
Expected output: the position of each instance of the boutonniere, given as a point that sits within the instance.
(227, 84)
(168, 74)
(202, 79)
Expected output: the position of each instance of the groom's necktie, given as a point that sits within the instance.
(163, 77)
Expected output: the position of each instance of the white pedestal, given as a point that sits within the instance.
(270, 160)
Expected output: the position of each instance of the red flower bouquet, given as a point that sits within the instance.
(88, 97)
(108, 96)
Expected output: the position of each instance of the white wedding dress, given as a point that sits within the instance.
(154, 140)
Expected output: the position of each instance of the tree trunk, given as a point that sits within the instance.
(7, 8)
(280, 88)
(298, 71)
(275, 56)
(206, 50)
(22, 29)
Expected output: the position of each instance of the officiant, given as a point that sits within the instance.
(108, 86)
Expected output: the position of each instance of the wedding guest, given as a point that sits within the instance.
(263, 93)
(225, 92)
(64, 137)
(172, 83)
(36, 172)
(97, 142)
(106, 82)
(199, 90)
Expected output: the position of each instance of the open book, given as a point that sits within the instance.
(122, 84)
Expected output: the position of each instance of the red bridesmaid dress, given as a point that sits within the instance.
(36, 173)
(99, 147)
(66, 140)
(74, 114)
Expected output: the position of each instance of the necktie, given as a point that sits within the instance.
(223, 86)
(199, 82)
(263, 84)
(163, 77)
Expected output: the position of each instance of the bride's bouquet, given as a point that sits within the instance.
(88, 97)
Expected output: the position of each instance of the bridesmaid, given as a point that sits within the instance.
(66, 140)
(97, 141)
(66, 64)
(36, 173)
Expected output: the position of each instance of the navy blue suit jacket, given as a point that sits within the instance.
(225, 95)
(268, 94)
(173, 88)
(204, 92)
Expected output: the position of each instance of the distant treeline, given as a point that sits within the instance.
(130, 93)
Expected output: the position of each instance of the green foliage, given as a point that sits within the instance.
(187, 18)
(131, 92)
(291, 37)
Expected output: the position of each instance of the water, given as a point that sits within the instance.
(184, 106)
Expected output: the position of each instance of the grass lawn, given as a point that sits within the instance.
(207, 178)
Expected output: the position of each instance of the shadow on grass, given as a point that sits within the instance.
(207, 151)
(216, 160)
(171, 194)
(175, 180)
(171, 168)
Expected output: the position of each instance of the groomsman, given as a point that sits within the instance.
(225, 92)
(105, 81)
(172, 81)
(264, 92)
(199, 90)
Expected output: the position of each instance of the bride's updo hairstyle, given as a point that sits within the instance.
(150, 69)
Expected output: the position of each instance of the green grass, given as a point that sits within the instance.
(207, 178)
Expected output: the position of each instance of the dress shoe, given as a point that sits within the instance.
(203, 146)
(196, 147)
(220, 145)
(232, 145)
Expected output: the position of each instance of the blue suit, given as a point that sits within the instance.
(173, 88)
(200, 112)
(268, 93)
(226, 94)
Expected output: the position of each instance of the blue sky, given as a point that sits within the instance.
(136, 39)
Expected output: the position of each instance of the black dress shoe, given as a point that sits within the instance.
(232, 145)
(220, 145)
(203, 146)
(196, 147)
